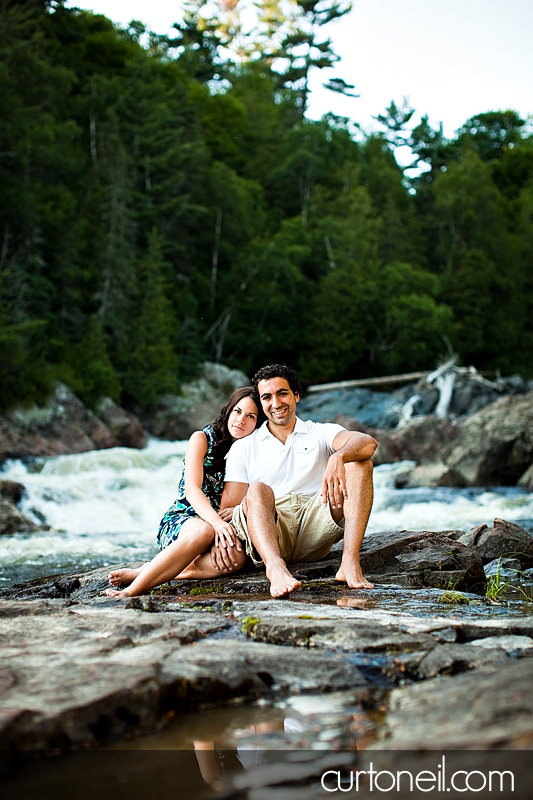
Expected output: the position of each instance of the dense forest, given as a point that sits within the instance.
(165, 200)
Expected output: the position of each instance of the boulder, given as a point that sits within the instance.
(125, 427)
(422, 558)
(111, 671)
(420, 439)
(79, 669)
(12, 520)
(526, 481)
(495, 445)
(472, 393)
(493, 705)
(62, 425)
(12, 491)
(370, 408)
(200, 401)
(432, 475)
(503, 540)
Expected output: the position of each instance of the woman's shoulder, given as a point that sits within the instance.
(199, 441)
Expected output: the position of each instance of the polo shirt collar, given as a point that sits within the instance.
(264, 433)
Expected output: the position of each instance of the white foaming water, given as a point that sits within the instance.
(104, 508)
(441, 508)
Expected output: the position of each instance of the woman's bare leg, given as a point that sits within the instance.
(123, 577)
(202, 567)
(195, 538)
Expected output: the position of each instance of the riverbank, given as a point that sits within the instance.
(388, 669)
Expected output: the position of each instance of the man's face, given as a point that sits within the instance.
(278, 401)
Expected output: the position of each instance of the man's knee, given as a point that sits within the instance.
(360, 470)
(258, 494)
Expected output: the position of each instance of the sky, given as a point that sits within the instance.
(451, 59)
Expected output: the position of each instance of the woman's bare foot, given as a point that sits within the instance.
(123, 577)
(281, 580)
(354, 577)
(118, 595)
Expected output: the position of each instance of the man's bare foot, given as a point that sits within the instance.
(123, 577)
(353, 577)
(281, 580)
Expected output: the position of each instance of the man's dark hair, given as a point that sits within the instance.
(278, 371)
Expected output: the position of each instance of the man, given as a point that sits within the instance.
(298, 487)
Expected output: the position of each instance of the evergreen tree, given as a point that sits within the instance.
(152, 364)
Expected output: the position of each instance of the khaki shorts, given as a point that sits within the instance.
(306, 530)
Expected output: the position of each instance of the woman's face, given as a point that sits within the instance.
(243, 418)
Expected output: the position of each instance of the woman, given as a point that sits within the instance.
(195, 522)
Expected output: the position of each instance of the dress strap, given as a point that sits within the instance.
(210, 434)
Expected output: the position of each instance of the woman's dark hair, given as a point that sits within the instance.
(278, 371)
(223, 439)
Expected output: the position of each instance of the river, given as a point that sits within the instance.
(103, 508)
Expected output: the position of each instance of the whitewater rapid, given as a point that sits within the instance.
(103, 508)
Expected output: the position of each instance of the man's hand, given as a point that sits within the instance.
(334, 482)
(226, 514)
(222, 558)
(226, 542)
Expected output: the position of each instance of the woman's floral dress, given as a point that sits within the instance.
(181, 510)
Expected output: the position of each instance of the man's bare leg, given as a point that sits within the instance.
(260, 509)
(356, 510)
(195, 537)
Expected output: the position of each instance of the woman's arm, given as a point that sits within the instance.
(194, 478)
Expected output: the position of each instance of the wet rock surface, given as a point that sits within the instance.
(12, 520)
(390, 668)
(503, 540)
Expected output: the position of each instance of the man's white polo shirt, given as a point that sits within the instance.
(296, 467)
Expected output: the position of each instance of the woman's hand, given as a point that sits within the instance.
(225, 536)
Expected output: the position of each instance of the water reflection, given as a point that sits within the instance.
(316, 722)
(231, 740)
(196, 754)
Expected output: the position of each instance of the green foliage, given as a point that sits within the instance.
(493, 133)
(497, 587)
(166, 201)
(25, 374)
(151, 367)
(454, 598)
(249, 624)
(95, 376)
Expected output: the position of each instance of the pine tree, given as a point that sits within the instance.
(152, 365)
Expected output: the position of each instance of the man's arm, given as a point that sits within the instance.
(233, 494)
(349, 446)
(354, 446)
